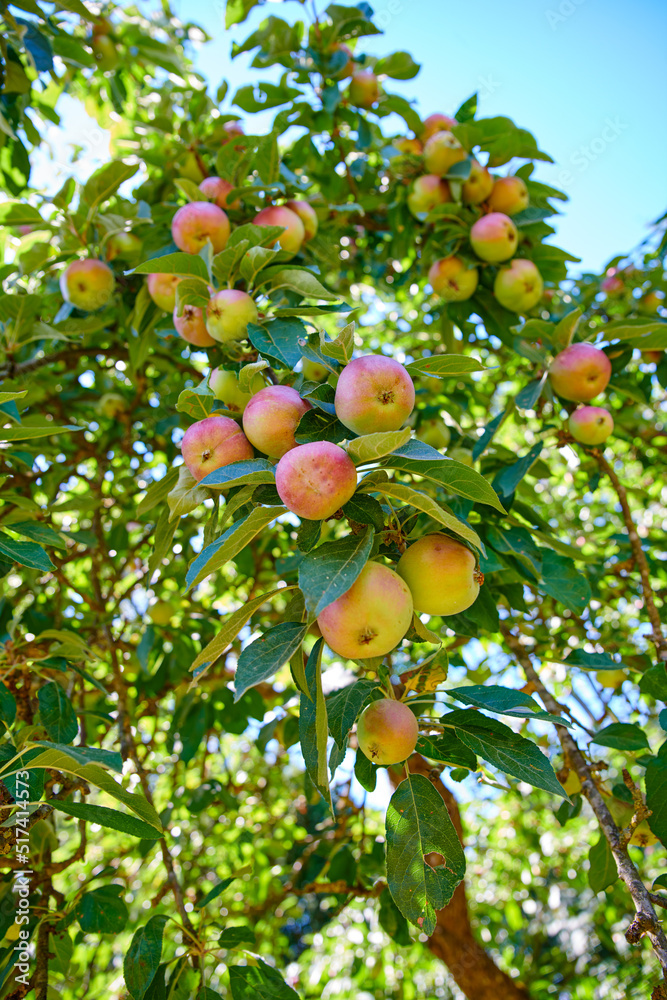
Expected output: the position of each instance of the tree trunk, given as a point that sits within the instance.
(453, 941)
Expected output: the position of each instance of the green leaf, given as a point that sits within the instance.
(563, 581)
(602, 872)
(327, 572)
(186, 495)
(57, 713)
(230, 543)
(313, 729)
(423, 502)
(504, 701)
(259, 982)
(29, 432)
(418, 824)
(654, 682)
(622, 736)
(255, 471)
(185, 264)
(218, 889)
(656, 796)
(110, 818)
(344, 706)
(399, 66)
(591, 661)
(371, 447)
(505, 749)
(455, 477)
(255, 259)
(15, 213)
(265, 656)
(364, 509)
(7, 705)
(445, 366)
(278, 339)
(157, 492)
(231, 937)
(100, 911)
(302, 282)
(27, 554)
(566, 329)
(38, 532)
(143, 956)
(105, 181)
(87, 755)
(448, 749)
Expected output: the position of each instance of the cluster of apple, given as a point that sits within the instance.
(494, 238)
(578, 374)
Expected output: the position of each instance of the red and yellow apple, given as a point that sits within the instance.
(271, 418)
(387, 731)
(441, 575)
(452, 279)
(225, 387)
(162, 290)
(294, 235)
(307, 214)
(479, 185)
(127, 246)
(441, 151)
(364, 89)
(190, 326)
(213, 442)
(437, 123)
(87, 284)
(228, 314)
(315, 480)
(591, 425)
(198, 223)
(494, 237)
(216, 190)
(509, 196)
(374, 393)
(518, 286)
(426, 193)
(580, 372)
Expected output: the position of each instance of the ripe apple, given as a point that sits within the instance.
(364, 89)
(127, 246)
(452, 280)
(271, 418)
(216, 189)
(105, 53)
(580, 372)
(87, 284)
(231, 130)
(387, 731)
(292, 239)
(518, 286)
(427, 192)
(434, 432)
(437, 123)
(494, 237)
(479, 185)
(313, 371)
(441, 575)
(196, 224)
(371, 618)
(315, 480)
(405, 145)
(509, 195)
(655, 356)
(441, 152)
(228, 314)
(225, 387)
(162, 290)
(374, 393)
(191, 327)
(591, 425)
(306, 213)
(213, 442)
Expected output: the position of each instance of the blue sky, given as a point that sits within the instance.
(587, 77)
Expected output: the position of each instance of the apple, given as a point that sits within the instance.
(387, 731)
(494, 237)
(348, 68)
(313, 371)
(434, 432)
(610, 678)
(213, 442)
(509, 195)
(127, 246)
(612, 285)
(271, 418)
(370, 618)
(315, 480)
(161, 612)
(306, 213)
(518, 286)
(374, 393)
(191, 327)
(428, 191)
(112, 405)
(452, 280)
(651, 302)
(228, 314)
(87, 284)
(364, 89)
(437, 123)
(441, 152)
(294, 235)
(216, 190)
(580, 372)
(105, 53)
(441, 575)
(225, 387)
(198, 223)
(405, 145)
(591, 425)
(162, 290)
(479, 185)
(231, 130)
